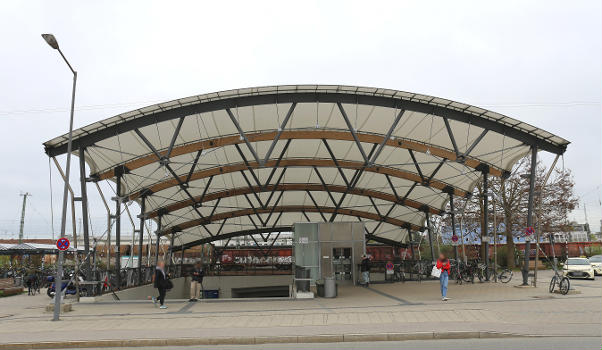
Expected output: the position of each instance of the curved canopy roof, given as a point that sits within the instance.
(260, 159)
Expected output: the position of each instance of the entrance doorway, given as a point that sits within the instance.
(342, 264)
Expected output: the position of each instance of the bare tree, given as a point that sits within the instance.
(554, 202)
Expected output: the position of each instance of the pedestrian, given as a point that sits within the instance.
(30, 282)
(365, 269)
(196, 285)
(443, 265)
(162, 283)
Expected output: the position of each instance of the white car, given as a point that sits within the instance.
(596, 262)
(578, 268)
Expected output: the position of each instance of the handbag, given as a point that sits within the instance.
(435, 272)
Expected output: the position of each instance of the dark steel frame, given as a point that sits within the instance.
(301, 97)
(340, 98)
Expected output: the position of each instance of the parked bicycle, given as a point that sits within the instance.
(504, 275)
(422, 268)
(398, 274)
(563, 283)
(457, 269)
(468, 272)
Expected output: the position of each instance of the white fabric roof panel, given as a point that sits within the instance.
(418, 158)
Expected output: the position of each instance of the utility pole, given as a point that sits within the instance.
(586, 226)
(25, 195)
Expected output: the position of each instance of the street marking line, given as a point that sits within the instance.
(184, 309)
(403, 301)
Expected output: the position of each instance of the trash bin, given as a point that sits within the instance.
(330, 287)
(320, 288)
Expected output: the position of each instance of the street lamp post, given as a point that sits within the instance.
(51, 40)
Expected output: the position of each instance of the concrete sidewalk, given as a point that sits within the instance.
(382, 312)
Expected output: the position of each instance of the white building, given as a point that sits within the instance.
(576, 233)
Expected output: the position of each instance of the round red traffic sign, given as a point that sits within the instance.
(62, 243)
(529, 231)
(389, 266)
(454, 238)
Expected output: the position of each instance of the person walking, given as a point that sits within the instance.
(162, 283)
(30, 282)
(365, 269)
(443, 265)
(196, 285)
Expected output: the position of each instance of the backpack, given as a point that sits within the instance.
(168, 284)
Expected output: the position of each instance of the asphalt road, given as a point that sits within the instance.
(550, 343)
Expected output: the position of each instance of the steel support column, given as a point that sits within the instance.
(141, 238)
(411, 243)
(485, 233)
(109, 217)
(453, 222)
(525, 269)
(181, 262)
(429, 228)
(171, 243)
(84, 197)
(118, 232)
(158, 241)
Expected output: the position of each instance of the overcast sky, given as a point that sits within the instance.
(536, 61)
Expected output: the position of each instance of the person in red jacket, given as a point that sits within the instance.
(444, 266)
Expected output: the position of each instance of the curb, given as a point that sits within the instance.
(320, 338)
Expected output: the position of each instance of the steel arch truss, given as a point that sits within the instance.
(352, 167)
(216, 196)
(382, 140)
(279, 229)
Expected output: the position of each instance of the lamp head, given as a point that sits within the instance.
(51, 40)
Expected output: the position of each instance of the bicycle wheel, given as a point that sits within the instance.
(480, 275)
(467, 276)
(553, 284)
(505, 276)
(565, 285)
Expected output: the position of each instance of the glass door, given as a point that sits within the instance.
(342, 264)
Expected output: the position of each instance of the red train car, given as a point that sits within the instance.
(382, 253)
(239, 258)
(281, 257)
(570, 249)
(561, 250)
